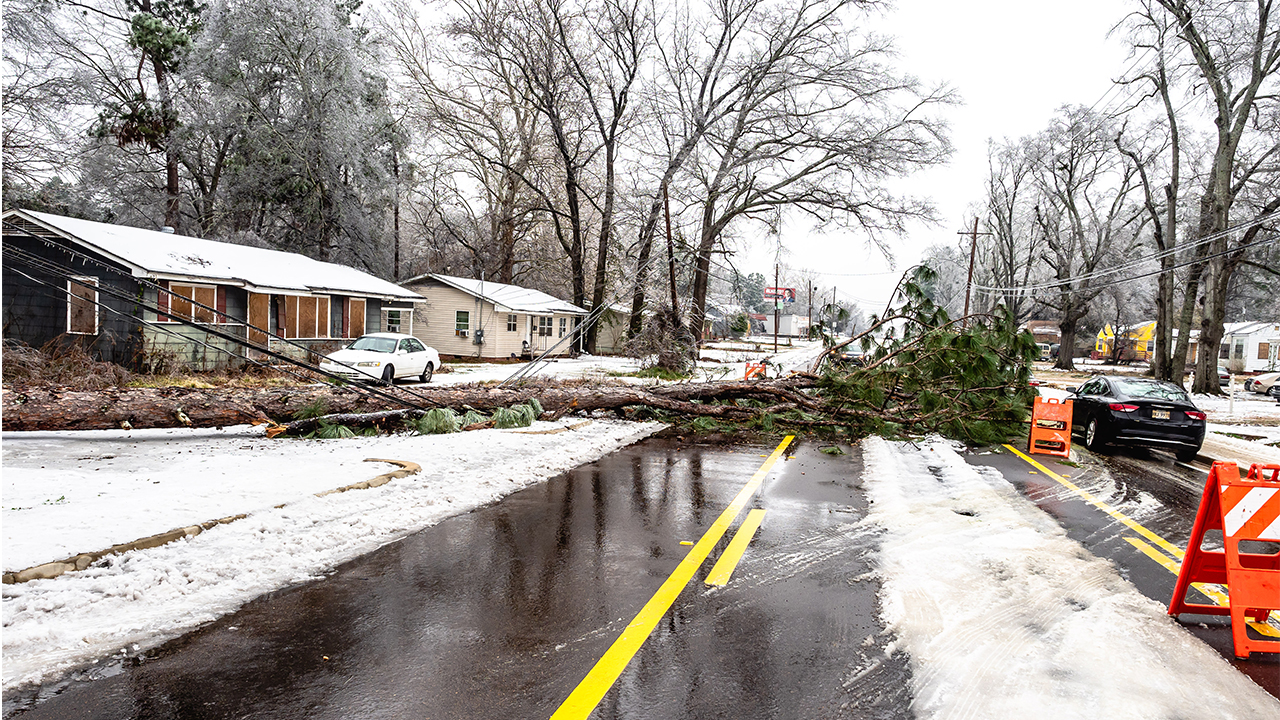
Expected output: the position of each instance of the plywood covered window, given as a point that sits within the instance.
(82, 306)
(1264, 351)
(181, 305)
(353, 318)
(259, 317)
(305, 317)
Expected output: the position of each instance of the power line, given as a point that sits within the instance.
(1149, 258)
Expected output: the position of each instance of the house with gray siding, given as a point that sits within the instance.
(142, 298)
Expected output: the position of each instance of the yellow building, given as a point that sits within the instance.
(1136, 343)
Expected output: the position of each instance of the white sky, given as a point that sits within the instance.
(1014, 63)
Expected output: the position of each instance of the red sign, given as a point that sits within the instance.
(783, 294)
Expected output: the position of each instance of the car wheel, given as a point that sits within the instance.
(1274, 390)
(1186, 454)
(426, 373)
(1093, 438)
(389, 375)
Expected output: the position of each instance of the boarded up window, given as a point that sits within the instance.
(355, 318)
(82, 308)
(181, 305)
(259, 317)
(305, 317)
(1264, 351)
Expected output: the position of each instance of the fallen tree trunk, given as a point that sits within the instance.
(36, 408)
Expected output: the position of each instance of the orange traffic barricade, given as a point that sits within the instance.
(1247, 512)
(755, 370)
(1050, 427)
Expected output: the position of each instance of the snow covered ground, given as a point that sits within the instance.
(1000, 612)
(720, 361)
(73, 492)
(1004, 616)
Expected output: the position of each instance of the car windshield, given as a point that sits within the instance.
(376, 344)
(1152, 390)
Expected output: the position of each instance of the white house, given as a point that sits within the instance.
(788, 325)
(1250, 347)
(478, 318)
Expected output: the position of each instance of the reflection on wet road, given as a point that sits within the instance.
(501, 613)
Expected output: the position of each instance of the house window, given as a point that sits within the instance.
(544, 326)
(1239, 353)
(1264, 351)
(82, 306)
(461, 323)
(393, 321)
(564, 326)
(191, 302)
(511, 323)
(1224, 352)
(304, 317)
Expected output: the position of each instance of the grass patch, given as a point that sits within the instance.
(651, 372)
(1068, 463)
(832, 450)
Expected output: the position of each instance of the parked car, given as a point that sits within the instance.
(383, 357)
(1262, 383)
(1137, 411)
(1224, 377)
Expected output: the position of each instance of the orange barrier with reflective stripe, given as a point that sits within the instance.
(755, 370)
(1247, 512)
(1050, 427)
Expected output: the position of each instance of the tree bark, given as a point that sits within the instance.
(38, 408)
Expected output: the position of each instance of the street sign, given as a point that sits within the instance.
(783, 294)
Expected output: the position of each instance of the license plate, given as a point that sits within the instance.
(1160, 414)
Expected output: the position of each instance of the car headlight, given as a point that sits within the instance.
(369, 363)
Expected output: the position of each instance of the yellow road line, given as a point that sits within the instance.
(1213, 592)
(1104, 507)
(724, 567)
(604, 674)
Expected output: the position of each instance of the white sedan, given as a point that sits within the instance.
(383, 357)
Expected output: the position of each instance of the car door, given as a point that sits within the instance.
(1085, 405)
(416, 356)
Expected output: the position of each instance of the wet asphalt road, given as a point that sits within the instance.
(501, 612)
(1150, 488)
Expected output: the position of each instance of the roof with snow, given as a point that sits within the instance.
(505, 297)
(163, 255)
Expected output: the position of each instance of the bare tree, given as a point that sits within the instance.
(1235, 49)
(1083, 214)
(1010, 255)
(818, 122)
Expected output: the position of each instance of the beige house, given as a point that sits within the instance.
(477, 318)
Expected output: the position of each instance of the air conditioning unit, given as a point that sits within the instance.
(462, 333)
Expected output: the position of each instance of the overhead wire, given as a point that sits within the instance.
(58, 270)
(1122, 267)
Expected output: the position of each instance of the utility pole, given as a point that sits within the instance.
(809, 323)
(777, 303)
(973, 252)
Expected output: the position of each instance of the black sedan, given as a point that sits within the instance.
(1137, 411)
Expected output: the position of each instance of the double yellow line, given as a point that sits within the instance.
(1170, 561)
(604, 674)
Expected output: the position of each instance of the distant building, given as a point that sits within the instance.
(1137, 342)
(1250, 347)
(479, 318)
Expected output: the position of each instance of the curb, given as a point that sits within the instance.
(51, 570)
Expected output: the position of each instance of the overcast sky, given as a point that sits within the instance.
(1014, 63)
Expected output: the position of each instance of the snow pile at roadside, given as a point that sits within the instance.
(1004, 616)
(138, 600)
